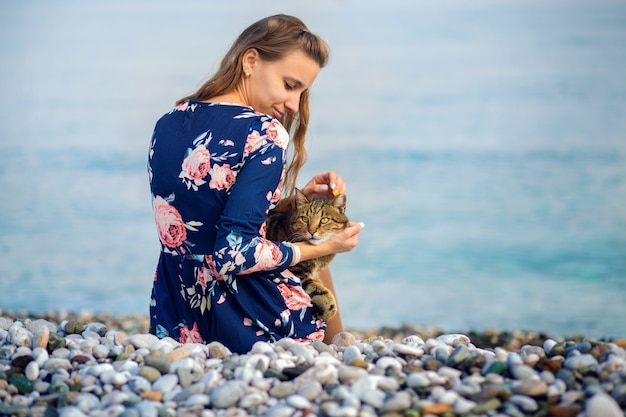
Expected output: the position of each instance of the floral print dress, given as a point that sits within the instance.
(215, 170)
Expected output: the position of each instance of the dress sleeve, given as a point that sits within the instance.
(240, 246)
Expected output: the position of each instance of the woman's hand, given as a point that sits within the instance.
(326, 185)
(347, 239)
(344, 241)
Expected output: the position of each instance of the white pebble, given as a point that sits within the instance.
(580, 361)
(298, 401)
(548, 344)
(454, 339)
(165, 383)
(32, 371)
(351, 354)
(602, 405)
(413, 340)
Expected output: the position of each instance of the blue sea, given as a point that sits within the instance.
(483, 144)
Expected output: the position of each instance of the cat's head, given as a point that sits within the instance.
(317, 220)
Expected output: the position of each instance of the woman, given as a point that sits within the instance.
(217, 164)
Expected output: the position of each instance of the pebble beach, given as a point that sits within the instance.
(74, 365)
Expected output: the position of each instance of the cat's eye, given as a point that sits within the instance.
(304, 219)
(324, 220)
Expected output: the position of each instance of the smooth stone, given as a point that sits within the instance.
(375, 398)
(413, 340)
(99, 328)
(142, 340)
(165, 383)
(86, 402)
(180, 353)
(151, 395)
(463, 405)
(524, 403)
(23, 384)
(53, 364)
(303, 353)
(408, 350)
(281, 410)
(298, 401)
(310, 389)
(460, 354)
(198, 400)
(565, 410)
(19, 336)
(351, 354)
(100, 351)
(32, 371)
(73, 327)
(602, 405)
(349, 374)
(218, 350)
(568, 377)
(523, 372)
(227, 395)
(418, 380)
(548, 344)
(71, 411)
(398, 402)
(254, 398)
(150, 373)
(343, 340)
(41, 336)
(283, 389)
(486, 406)
(158, 362)
(454, 339)
(577, 362)
(531, 388)
(139, 384)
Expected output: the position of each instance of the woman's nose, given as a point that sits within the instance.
(293, 102)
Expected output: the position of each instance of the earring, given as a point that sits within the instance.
(247, 74)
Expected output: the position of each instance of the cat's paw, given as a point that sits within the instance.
(326, 306)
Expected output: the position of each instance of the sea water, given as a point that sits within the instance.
(483, 145)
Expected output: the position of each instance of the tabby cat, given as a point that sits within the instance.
(298, 219)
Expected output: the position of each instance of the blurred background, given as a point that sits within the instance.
(483, 144)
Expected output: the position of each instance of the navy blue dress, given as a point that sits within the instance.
(215, 170)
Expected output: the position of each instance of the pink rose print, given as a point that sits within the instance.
(222, 177)
(247, 322)
(295, 297)
(208, 259)
(318, 335)
(204, 276)
(183, 106)
(267, 255)
(278, 193)
(172, 232)
(253, 142)
(197, 165)
(277, 134)
(192, 335)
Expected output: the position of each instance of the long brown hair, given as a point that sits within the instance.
(273, 37)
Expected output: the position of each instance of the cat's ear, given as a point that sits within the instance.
(340, 202)
(300, 198)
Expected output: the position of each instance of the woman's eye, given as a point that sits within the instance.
(288, 86)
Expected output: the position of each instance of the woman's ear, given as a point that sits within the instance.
(250, 58)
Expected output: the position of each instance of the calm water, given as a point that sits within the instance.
(483, 143)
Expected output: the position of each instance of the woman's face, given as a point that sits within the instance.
(274, 88)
